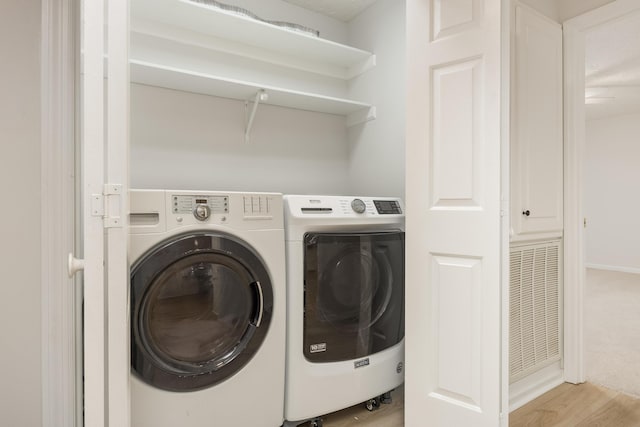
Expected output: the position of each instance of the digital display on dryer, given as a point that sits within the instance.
(387, 207)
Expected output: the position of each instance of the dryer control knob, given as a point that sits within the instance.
(358, 206)
(201, 212)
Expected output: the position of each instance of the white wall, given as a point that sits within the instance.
(20, 291)
(182, 140)
(187, 141)
(612, 192)
(377, 148)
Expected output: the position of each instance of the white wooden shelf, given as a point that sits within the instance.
(191, 81)
(182, 20)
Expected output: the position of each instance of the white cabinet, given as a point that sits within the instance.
(536, 127)
(194, 47)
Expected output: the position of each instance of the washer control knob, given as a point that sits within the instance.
(358, 206)
(201, 212)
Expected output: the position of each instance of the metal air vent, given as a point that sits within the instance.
(535, 337)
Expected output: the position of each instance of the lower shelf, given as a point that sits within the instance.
(188, 81)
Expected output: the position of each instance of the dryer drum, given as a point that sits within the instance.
(353, 294)
(201, 306)
(354, 283)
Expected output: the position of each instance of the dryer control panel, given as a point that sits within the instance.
(344, 207)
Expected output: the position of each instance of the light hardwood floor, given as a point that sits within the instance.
(580, 406)
(568, 405)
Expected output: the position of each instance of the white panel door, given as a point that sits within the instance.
(92, 177)
(536, 168)
(453, 236)
(104, 112)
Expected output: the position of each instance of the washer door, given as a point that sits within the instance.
(201, 305)
(354, 294)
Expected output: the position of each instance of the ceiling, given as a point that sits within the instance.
(344, 10)
(612, 68)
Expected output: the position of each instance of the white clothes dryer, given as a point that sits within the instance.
(208, 303)
(345, 302)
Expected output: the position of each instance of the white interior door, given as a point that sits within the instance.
(104, 144)
(454, 234)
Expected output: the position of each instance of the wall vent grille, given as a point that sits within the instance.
(535, 317)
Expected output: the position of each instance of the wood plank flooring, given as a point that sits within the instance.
(568, 405)
(580, 405)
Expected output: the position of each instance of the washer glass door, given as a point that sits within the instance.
(354, 294)
(201, 305)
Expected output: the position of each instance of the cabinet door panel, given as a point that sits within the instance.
(537, 126)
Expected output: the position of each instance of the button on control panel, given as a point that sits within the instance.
(202, 212)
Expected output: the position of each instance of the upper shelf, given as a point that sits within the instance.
(180, 19)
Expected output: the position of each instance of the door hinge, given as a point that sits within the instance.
(108, 205)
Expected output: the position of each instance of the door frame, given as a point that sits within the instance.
(574, 34)
(104, 165)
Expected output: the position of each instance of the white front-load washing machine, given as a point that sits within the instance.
(345, 302)
(208, 303)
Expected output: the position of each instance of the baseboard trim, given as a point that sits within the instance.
(525, 390)
(613, 268)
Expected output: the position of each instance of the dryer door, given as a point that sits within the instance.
(201, 305)
(354, 294)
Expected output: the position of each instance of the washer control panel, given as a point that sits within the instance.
(202, 207)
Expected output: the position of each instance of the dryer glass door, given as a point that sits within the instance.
(201, 306)
(354, 294)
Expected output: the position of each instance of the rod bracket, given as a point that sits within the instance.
(261, 96)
